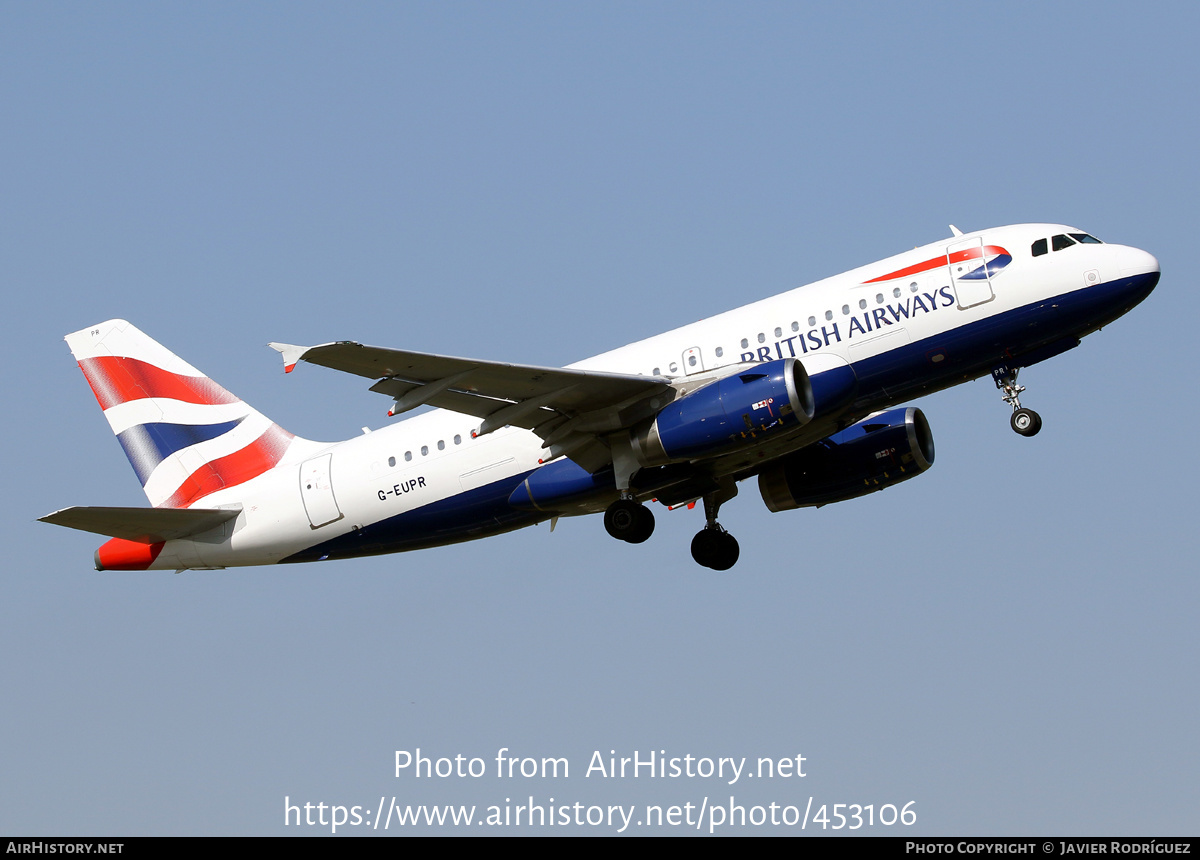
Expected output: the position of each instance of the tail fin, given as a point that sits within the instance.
(185, 436)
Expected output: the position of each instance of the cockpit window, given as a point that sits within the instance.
(1085, 239)
(1040, 247)
(1061, 241)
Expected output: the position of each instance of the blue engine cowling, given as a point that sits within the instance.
(744, 407)
(873, 454)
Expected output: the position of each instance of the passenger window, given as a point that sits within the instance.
(457, 439)
(1039, 248)
(862, 304)
(912, 288)
(691, 361)
(762, 338)
(441, 444)
(391, 461)
(795, 326)
(812, 321)
(407, 456)
(879, 298)
(846, 310)
(828, 315)
(674, 367)
(745, 343)
(778, 331)
(896, 292)
(656, 372)
(720, 352)
(1060, 241)
(424, 450)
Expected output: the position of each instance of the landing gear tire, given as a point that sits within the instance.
(1026, 422)
(715, 548)
(629, 521)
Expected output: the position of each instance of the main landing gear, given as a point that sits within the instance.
(1024, 421)
(628, 520)
(713, 547)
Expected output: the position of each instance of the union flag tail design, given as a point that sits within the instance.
(185, 436)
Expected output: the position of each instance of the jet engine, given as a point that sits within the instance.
(763, 400)
(743, 408)
(877, 452)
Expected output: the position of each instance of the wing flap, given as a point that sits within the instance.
(141, 525)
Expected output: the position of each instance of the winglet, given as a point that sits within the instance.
(290, 352)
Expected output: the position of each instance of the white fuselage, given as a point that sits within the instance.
(862, 317)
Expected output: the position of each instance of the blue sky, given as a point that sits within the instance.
(1009, 641)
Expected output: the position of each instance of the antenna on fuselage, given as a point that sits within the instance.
(955, 230)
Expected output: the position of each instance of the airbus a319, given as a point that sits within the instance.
(801, 391)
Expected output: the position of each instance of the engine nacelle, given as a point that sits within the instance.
(744, 407)
(873, 454)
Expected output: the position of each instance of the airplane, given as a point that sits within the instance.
(802, 391)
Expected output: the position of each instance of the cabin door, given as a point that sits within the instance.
(969, 273)
(316, 489)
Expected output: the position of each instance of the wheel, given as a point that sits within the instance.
(704, 546)
(727, 552)
(643, 525)
(629, 521)
(715, 549)
(1026, 422)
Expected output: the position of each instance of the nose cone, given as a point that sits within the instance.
(1139, 275)
(1135, 261)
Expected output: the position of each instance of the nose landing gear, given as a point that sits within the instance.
(1024, 421)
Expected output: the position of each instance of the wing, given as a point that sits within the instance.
(571, 410)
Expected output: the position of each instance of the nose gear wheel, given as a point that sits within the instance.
(1026, 422)
(1023, 421)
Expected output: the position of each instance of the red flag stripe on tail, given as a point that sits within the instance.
(236, 468)
(119, 380)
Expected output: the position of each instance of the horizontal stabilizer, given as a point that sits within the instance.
(141, 525)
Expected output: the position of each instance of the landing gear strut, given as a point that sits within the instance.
(629, 521)
(1024, 421)
(713, 547)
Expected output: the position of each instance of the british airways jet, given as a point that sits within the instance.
(801, 391)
